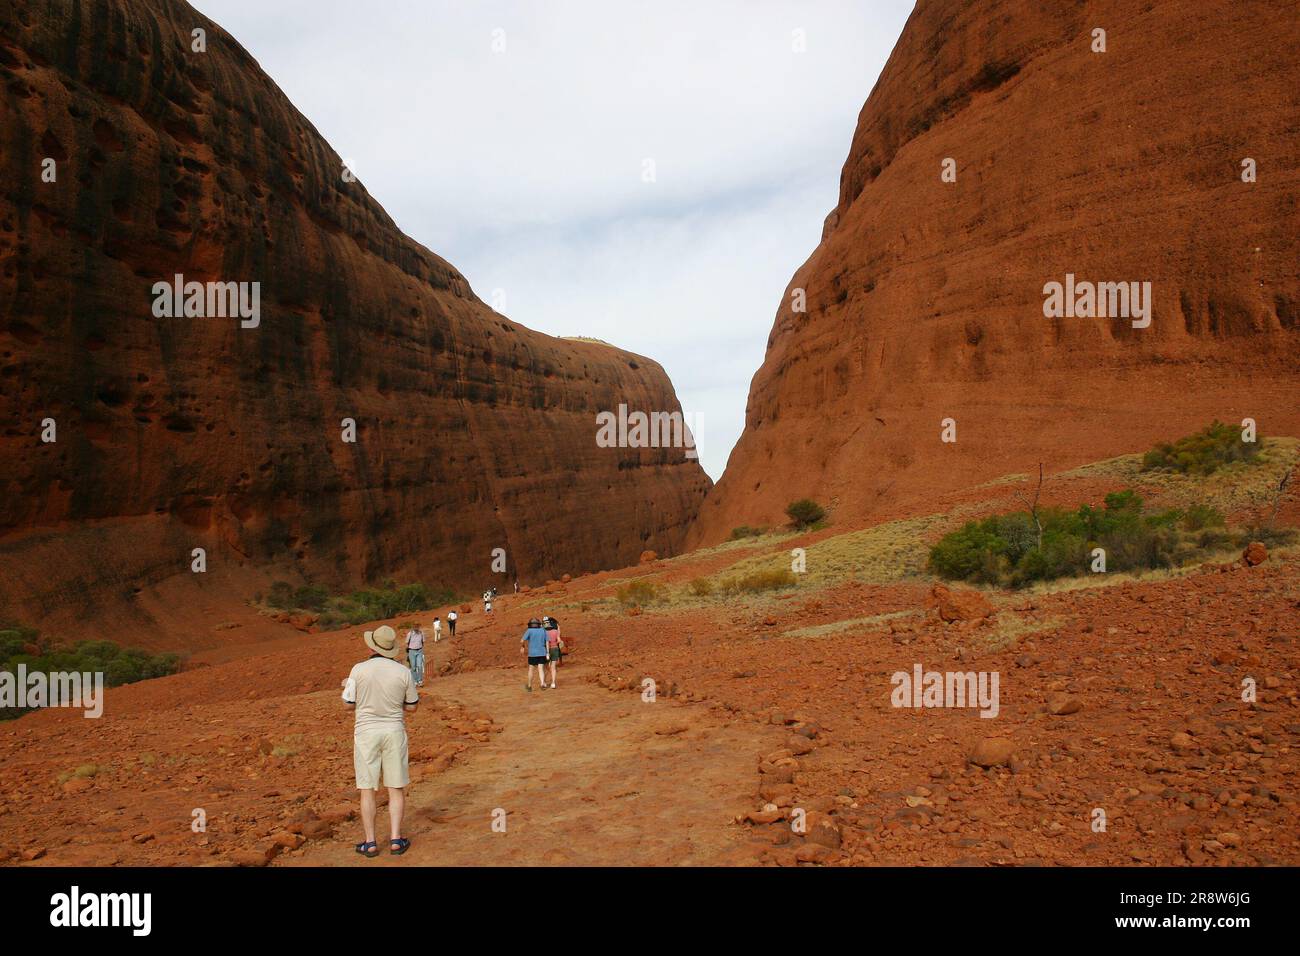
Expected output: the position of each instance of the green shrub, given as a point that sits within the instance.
(101, 651)
(10, 644)
(745, 531)
(1201, 517)
(1267, 535)
(119, 665)
(360, 606)
(964, 554)
(637, 594)
(14, 638)
(1004, 550)
(281, 596)
(805, 513)
(1204, 452)
(701, 587)
(311, 597)
(757, 581)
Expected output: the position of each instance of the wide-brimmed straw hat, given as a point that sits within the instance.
(382, 640)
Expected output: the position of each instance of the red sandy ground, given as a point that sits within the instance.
(745, 716)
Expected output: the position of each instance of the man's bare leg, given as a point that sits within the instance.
(396, 808)
(368, 814)
(552, 675)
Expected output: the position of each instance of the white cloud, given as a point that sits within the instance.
(524, 168)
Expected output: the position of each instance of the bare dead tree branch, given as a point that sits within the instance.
(1033, 507)
(1277, 499)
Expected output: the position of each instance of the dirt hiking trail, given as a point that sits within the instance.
(586, 777)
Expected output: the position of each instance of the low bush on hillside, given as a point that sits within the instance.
(637, 594)
(701, 587)
(805, 513)
(285, 597)
(358, 607)
(22, 645)
(755, 582)
(386, 601)
(1004, 550)
(1204, 452)
(745, 531)
(1266, 534)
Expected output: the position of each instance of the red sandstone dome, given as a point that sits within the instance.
(472, 432)
(925, 298)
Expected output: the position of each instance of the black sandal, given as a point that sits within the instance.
(399, 846)
(368, 850)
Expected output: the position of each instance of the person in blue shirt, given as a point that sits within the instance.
(533, 643)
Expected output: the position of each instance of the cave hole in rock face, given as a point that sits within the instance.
(114, 396)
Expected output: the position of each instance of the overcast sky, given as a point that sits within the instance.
(525, 166)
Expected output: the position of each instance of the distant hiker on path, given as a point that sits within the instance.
(533, 643)
(516, 585)
(437, 629)
(487, 602)
(380, 689)
(554, 646)
(451, 623)
(415, 654)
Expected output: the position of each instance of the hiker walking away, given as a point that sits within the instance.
(451, 623)
(415, 654)
(437, 629)
(487, 602)
(552, 624)
(380, 689)
(516, 585)
(554, 646)
(533, 643)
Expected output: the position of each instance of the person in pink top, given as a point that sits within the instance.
(554, 646)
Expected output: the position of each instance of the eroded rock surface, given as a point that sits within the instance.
(472, 432)
(925, 298)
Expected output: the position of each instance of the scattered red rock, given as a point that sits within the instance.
(992, 752)
(1060, 703)
(959, 604)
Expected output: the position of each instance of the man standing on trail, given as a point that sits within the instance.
(437, 629)
(487, 602)
(451, 623)
(380, 690)
(533, 643)
(415, 653)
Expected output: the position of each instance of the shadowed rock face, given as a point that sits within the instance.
(472, 432)
(925, 298)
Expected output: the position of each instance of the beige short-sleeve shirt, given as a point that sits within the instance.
(383, 686)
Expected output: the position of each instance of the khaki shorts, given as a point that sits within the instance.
(380, 748)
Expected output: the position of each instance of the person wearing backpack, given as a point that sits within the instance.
(451, 623)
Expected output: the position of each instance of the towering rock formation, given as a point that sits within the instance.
(227, 434)
(925, 298)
